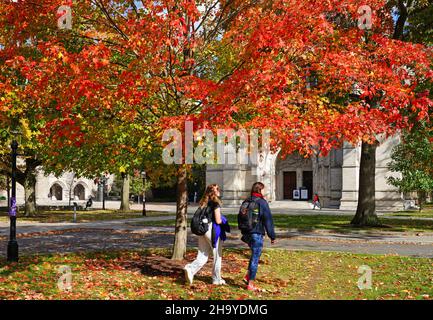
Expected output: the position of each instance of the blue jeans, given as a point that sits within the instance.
(256, 245)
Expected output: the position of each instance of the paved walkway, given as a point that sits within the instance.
(282, 207)
(277, 207)
(27, 227)
(126, 234)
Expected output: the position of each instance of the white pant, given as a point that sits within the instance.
(204, 249)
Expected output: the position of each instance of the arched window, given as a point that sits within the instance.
(56, 192)
(79, 192)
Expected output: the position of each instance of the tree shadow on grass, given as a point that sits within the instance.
(161, 265)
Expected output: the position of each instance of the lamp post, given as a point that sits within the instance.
(195, 192)
(143, 176)
(12, 254)
(103, 182)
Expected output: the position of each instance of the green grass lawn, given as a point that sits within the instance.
(84, 216)
(427, 212)
(152, 275)
(337, 223)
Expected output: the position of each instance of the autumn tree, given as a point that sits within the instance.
(28, 149)
(404, 10)
(413, 158)
(114, 145)
(20, 116)
(156, 61)
(318, 75)
(89, 141)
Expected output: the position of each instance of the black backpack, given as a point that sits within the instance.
(200, 221)
(248, 216)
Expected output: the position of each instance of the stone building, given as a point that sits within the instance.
(56, 191)
(334, 178)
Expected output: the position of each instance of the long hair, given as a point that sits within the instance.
(257, 188)
(210, 194)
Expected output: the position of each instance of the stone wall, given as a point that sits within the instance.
(67, 182)
(335, 177)
(387, 196)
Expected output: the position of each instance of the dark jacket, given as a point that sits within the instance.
(265, 222)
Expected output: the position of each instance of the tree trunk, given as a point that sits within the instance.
(422, 197)
(181, 230)
(124, 201)
(149, 194)
(70, 189)
(316, 186)
(401, 21)
(30, 187)
(366, 210)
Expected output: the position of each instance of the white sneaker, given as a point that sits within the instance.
(188, 275)
(219, 283)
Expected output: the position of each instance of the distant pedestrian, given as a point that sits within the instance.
(316, 202)
(89, 203)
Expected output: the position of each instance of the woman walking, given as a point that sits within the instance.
(256, 235)
(211, 241)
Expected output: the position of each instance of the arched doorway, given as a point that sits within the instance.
(293, 172)
(79, 192)
(56, 192)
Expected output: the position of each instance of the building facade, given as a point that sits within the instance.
(56, 191)
(335, 178)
